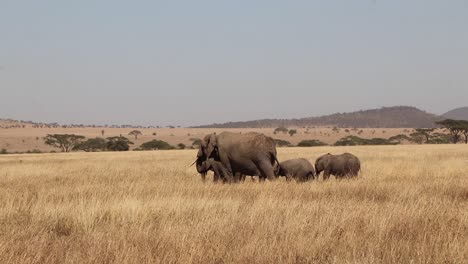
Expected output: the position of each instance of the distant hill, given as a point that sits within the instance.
(457, 114)
(386, 117)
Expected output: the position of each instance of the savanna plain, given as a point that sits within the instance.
(409, 205)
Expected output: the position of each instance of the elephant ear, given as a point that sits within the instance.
(212, 145)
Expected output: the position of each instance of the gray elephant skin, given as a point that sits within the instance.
(299, 169)
(241, 154)
(219, 170)
(343, 165)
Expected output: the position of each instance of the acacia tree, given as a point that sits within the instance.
(92, 144)
(118, 144)
(464, 129)
(425, 132)
(292, 132)
(455, 128)
(135, 133)
(66, 142)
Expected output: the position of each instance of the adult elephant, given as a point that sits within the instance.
(248, 154)
(343, 165)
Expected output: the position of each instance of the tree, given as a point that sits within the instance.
(422, 134)
(417, 137)
(66, 142)
(464, 129)
(292, 132)
(135, 133)
(455, 128)
(92, 145)
(156, 144)
(118, 144)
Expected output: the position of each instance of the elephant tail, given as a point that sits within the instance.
(274, 159)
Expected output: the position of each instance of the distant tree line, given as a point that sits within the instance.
(71, 142)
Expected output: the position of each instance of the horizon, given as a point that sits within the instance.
(189, 64)
(208, 124)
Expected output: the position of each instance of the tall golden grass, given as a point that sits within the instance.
(409, 205)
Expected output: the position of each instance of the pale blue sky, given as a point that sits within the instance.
(196, 62)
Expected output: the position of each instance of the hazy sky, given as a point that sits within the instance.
(196, 62)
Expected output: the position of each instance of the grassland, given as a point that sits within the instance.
(29, 138)
(410, 205)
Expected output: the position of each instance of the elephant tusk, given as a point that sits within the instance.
(193, 163)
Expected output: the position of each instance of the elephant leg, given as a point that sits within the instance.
(238, 177)
(326, 175)
(266, 170)
(216, 177)
(242, 177)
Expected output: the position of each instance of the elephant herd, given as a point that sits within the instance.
(232, 157)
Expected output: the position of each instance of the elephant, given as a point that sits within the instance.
(219, 170)
(242, 154)
(343, 165)
(299, 169)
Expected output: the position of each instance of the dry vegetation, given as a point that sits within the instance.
(410, 205)
(24, 139)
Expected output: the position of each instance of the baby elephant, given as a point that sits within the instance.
(299, 169)
(344, 165)
(219, 170)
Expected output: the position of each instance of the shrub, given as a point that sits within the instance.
(282, 143)
(355, 141)
(181, 146)
(283, 130)
(399, 138)
(156, 144)
(34, 151)
(195, 142)
(311, 143)
(3, 151)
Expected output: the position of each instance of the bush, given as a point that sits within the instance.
(156, 144)
(281, 129)
(439, 138)
(292, 132)
(3, 151)
(195, 142)
(399, 138)
(311, 143)
(34, 151)
(181, 146)
(282, 143)
(356, 141)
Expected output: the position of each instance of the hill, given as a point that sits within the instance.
(457, 114)
(386, 117)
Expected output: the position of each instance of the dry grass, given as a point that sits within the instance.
(24, 139)
(410, 205)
